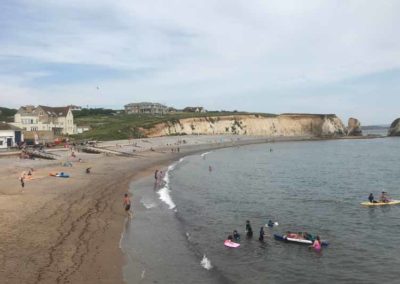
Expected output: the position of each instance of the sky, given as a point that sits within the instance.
(268, 56)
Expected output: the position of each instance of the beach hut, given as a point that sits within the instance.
(10, 136)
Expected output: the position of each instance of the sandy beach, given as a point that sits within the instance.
(67, 230)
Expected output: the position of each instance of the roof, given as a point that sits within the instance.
(56, 111)
(6, 126)
(144, 104)
(51, 111)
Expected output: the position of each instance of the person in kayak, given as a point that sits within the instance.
(371, 198)
(236, 236)
(249, 230)
(316, 244)
(384, 197)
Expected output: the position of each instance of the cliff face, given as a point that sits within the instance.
(394, 129)
(354, 127)
(281, 125)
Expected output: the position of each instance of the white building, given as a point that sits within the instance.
(60, 120)
(10, 136)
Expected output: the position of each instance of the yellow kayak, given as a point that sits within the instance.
(391, 202)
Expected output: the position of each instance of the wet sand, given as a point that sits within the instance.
(67, 230)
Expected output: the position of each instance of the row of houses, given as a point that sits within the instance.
(157, 108)
(37, 123)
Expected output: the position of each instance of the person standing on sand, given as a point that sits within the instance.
(22, 183)
(127, 205)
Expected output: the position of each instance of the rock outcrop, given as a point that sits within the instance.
(301, 125)
(354, 127)
(394, 129)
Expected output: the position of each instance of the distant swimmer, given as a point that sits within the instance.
(249, 230)
(88, 170)
(210, 168)
(270, 223)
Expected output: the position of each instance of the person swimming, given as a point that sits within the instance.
(270, 223)
(316, 244)
(236, 236)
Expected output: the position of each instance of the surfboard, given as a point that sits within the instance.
(273, 225)
(391, 202)
(231, 244)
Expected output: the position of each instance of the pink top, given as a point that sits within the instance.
(317, 245)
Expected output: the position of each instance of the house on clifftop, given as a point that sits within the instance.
(146, 108)
(59, 120)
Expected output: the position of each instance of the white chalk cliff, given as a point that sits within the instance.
(291, 125)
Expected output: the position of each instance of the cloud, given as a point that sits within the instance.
(284, 55)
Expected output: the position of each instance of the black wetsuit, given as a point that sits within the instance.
(371, 198)
(261, 237)
(249, 230)
(236, 236)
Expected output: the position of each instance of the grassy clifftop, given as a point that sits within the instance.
(114, 126)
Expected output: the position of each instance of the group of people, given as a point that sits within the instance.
(249, 233)
(383, 198)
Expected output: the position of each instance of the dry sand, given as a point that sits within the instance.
(67, 230)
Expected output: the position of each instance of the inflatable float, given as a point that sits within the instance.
(391, 202)
(231, 244)
(296, 238)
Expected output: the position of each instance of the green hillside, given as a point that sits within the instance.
(7, 114)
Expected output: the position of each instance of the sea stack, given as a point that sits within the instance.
(394, 129)
(354, 127)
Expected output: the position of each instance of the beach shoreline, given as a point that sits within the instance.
(69, 230)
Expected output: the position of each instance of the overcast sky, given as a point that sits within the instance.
(311, 56)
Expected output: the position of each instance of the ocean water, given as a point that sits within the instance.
(178, 230)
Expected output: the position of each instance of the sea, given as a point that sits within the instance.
(179, 226)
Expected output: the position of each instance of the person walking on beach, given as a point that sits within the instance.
(127, 205)
(22, 183)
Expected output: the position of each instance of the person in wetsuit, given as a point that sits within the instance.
(249, 230)
(236, 236)
(261, 237)
(371, 198)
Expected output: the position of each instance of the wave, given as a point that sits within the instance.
(206, 263)
(148, 203)
(164, 192)
(205, 154)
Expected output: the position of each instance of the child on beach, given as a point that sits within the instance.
(127, 205)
